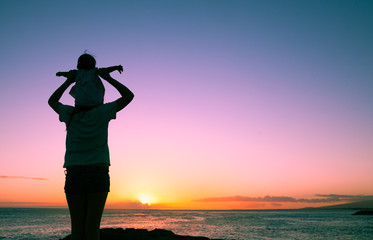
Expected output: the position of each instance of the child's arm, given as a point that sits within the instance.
(118, 68)
(69, 74)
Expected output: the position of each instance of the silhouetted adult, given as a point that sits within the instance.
(87, 156)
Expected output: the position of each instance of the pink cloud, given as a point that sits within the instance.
(24, 178)
(276, 204)
(320, 198)
(32, 204)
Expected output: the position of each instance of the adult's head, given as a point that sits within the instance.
(86, 61)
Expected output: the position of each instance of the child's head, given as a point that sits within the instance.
(86, 62)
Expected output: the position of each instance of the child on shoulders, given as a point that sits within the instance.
(88, 90)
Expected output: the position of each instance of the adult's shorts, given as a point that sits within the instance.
(86, 179)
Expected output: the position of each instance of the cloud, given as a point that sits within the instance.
(276, 204)
(24, 203)
(340, 198)
(247, 199)
(256, 205)
(31, 204)
(24, 178)
(319, 198)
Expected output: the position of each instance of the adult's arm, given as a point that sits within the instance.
(126, 94)
(54, 100)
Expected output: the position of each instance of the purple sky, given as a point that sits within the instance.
(231, 97)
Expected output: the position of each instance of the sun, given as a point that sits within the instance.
(146, 199)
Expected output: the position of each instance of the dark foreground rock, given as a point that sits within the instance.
(141, 234)
(364, 212)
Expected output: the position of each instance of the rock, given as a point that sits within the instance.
(364, 212)
(141, 234)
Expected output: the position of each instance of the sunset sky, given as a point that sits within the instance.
(238, 104)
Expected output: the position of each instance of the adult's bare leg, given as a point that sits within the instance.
(77, 208)
(95, 206)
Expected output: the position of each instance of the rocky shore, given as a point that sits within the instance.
(141, 234)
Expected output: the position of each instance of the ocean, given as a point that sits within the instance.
(43, 224)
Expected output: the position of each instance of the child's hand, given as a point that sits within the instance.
(120, 69)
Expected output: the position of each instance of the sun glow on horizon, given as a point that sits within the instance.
(146, 199)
